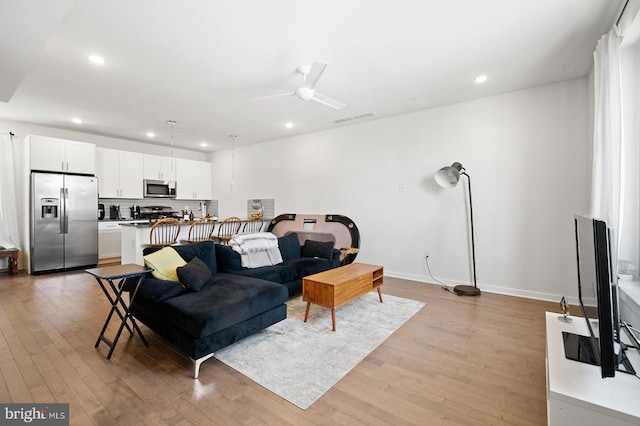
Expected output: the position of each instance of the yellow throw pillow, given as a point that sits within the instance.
(164, 263)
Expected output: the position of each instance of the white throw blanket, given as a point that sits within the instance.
(257, 249)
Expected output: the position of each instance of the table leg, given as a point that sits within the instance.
(306, 314)
(380, 294)
(333, 318)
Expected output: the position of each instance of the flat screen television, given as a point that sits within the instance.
(598, 298)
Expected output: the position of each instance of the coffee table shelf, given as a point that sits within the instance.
(336, 287)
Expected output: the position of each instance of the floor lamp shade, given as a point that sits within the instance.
(448, 177)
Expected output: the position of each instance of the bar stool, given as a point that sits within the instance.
(227, 229)
(200, 230)
(164, 232)
(252, 225)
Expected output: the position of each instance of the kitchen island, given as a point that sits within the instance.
(135, 236)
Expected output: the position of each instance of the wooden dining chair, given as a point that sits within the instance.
(227, 229)
(164, 232)
(252, 225)
(200, 230)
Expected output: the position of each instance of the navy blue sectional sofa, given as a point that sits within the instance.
(232, 302)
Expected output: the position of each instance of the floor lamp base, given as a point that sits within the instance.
(466, 290)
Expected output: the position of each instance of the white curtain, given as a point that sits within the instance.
(608, 151)
(9, 237)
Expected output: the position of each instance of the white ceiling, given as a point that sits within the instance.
(199, 62)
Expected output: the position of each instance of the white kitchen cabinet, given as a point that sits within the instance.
(119, 173)
(158, 167)
(109, 239)
(60, 155)
(193, 180)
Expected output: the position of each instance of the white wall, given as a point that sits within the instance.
(528, 154)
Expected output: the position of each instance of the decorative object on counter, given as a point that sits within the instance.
(227, 229)
(164, 232)
(625, 270)
(256, 208)
(448, 177)
(200, 230)
(564, 309)
(261, 207)
(252, 225)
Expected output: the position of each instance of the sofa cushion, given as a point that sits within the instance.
(228, 260)
(280, 273)
(194, 274)
(289, 246)
(306, 266)
(157, 290)
(204, 250)
(164, 263)
(223, 302)
(317, 249)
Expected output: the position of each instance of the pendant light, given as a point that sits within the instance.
(172, 180)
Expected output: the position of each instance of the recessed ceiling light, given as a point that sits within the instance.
(151, 135)
(203, 144)
(480, 79)
(96, 59)
(288, 125)
(76, 120)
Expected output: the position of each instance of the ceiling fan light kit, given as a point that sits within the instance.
(307, 92)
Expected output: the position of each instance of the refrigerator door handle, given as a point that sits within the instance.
(66, 210)
(63, 208)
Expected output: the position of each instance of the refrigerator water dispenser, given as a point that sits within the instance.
(49, 208)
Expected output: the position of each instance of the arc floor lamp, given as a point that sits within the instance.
(448, 177)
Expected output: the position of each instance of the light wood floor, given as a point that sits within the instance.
(460, 360)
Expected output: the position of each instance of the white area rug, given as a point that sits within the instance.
(301, 361)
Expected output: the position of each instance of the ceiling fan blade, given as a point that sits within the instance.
(317, 68)
(274, 96)
(318, 97)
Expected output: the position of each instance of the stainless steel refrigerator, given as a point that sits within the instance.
(64, 221)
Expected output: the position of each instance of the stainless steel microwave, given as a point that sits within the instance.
(159, 189)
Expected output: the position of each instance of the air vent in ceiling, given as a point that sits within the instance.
(355, 117)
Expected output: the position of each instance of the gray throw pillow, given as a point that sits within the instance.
(194, 274)
(317, 249)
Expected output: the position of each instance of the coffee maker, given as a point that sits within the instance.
(100, 211)
(135, 212)
(114, 212)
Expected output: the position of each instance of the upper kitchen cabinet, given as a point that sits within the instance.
(60, 155)
(157, 167)
(119, 173)
(193, 180)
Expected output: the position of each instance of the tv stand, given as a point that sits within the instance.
(576, 392)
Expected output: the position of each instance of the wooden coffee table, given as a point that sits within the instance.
(336, 287)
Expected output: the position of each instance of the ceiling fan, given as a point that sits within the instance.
(307, 92)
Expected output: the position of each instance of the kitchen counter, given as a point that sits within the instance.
(136, 235)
